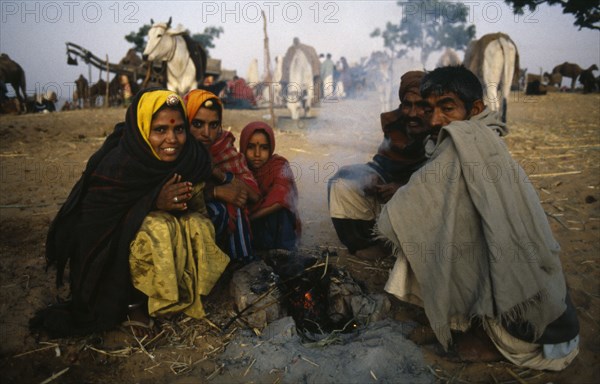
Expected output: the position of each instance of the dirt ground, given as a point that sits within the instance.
(555, 137)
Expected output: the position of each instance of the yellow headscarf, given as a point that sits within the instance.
(194, 99)
(149, 103)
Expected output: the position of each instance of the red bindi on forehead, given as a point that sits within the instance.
(172, 121)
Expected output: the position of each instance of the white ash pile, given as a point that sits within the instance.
(378, 352)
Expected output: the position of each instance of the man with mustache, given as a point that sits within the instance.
(356, 192)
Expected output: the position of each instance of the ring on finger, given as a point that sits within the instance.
(175, 199)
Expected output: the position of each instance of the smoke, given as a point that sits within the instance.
(339, 132)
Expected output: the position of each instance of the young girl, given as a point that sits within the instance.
(274, 218)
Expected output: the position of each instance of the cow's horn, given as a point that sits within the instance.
(169, 23)
(152, 21)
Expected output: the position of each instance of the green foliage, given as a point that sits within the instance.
(138, 39)
(586, 12)
(429, 25)
(206, 38)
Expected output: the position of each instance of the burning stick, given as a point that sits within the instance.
(266, 293)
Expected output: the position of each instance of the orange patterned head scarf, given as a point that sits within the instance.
(197, 98)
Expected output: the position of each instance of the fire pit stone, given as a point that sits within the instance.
(256, 283)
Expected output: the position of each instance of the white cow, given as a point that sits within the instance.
(299, 92)
(167, 44)
(300, 68)
(494, 59)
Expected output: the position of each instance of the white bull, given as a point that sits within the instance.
(166, 44)
(299, 92)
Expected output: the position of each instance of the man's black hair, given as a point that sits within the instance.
(457, 79)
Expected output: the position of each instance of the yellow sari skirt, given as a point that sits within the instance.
(174, 260)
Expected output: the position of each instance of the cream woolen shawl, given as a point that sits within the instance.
(474, 232)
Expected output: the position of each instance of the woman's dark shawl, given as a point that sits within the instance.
(98, 221)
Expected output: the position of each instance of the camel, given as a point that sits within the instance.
(495, 60)
(570, 70)
(81, 94)
(12, 73)
(131, 59)
(185, 58)
(587, 79)
(97, 90)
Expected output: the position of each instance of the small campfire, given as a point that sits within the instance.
(320, 298)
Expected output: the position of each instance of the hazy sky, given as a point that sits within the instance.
(34, 33)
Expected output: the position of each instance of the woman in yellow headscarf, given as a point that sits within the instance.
(134, 227)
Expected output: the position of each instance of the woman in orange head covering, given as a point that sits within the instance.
(232, 185)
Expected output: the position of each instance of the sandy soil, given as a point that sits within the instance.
(555, 137)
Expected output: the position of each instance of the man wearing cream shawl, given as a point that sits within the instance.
(473, 243)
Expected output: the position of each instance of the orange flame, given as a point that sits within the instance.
(308, 301)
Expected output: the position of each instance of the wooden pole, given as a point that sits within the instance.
(106, 103)
(86, 101)
(268, 76)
